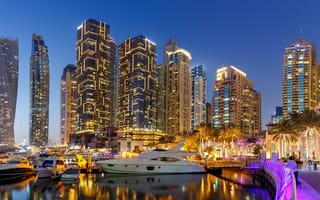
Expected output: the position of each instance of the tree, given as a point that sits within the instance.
(228, 135)
(206, 133)
(284, 131)
(190, 143)
(308, 124)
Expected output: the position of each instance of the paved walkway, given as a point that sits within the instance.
(309, 187)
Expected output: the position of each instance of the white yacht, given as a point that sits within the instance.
(158, 161)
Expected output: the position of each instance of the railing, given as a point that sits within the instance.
(276, 173)
(225, 163)
(284, 180)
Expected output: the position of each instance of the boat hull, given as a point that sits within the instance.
(70, 174)
(44, 172)
(15, 174)
(147, 167)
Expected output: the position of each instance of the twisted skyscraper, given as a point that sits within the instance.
(8, 88)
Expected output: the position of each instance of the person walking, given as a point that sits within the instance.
(309, 163)
(293, 166)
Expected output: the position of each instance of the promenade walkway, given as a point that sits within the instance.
(309, 188)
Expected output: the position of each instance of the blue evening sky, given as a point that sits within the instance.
(249, 34)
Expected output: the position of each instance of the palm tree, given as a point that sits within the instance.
(285, 131)
(308, 124)
(206, 133)
(228, 135)
(190, 144)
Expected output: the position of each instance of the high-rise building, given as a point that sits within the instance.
(137, 105)
(235, 102)
(178, 85)
(198, 95)
(68, 87)
(96, 77)
(39, 92)
(300, 84)
(9, 68)
(161, 98)
(277, 117)
(208, 113)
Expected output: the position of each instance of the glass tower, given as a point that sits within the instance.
(300, 77)
(161, 98)
(137, 109)
(39, 92)
(68, 104)
(235, 102)
(198, 94)
(96, 76)
(8, 88)
(178, 88)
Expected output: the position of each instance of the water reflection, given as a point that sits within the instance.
(14, 190)
(157, 187)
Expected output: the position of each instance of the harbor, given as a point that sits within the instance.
(157, 174)
(110, 186)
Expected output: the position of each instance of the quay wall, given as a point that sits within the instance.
(278, 179)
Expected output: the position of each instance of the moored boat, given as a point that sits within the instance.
(70, 174)
(51, 167)
(17, 168)
(74, 160)
(158, 161)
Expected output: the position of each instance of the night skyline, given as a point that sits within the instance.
(252, 36)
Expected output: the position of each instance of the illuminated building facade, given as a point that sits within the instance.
(208, 113)
(137, 103)
(161, 98)
(300, 86)
(9, 68)
(96, 77)
(178, 86)
(198, 95)
(39, 92)
(68, 86)
(277, 117)
(235, 102)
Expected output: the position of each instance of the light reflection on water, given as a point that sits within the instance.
(155, 187)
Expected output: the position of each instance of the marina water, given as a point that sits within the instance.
(135, 187)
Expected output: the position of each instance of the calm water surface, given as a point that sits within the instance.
(145, 187)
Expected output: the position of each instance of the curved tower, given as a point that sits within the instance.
(8, 88)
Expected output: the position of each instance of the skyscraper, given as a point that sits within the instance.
(300, 84)
(96, 75)
(178, 84)
(39, 92)
(235, 102)
(161, 98)
(277, 116)
(137, 111)
(68, 104)
(198, 95)
(8, 88)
